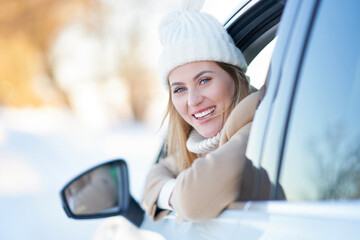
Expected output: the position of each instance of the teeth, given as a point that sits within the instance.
(204, 113)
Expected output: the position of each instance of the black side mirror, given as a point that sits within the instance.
(102, 191)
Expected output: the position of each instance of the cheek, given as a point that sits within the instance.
(225, 93)
(179, 105)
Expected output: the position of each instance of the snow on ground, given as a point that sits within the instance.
(41, 150)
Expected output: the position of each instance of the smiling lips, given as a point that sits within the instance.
(204, 114)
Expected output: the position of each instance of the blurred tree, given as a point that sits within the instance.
(133, 61)
(27, 30)
(139, 78)
(337, 156)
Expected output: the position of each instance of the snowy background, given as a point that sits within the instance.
(42, 149)
(43, 146)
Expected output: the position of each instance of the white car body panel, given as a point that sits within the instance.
(270, 220)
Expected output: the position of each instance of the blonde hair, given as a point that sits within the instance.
(179, 130)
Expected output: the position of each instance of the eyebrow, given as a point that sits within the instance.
(176, 83)
(194, 78)
(201, 73)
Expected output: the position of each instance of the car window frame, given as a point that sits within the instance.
(255, 25)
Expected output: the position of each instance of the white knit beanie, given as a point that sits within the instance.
(189, 36)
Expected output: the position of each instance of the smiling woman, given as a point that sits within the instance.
(201, 107)
(210, 116)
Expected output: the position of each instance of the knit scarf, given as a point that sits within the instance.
(200, 145)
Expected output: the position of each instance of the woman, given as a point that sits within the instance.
(209, 119)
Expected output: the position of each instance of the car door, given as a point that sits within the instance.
(306, 132)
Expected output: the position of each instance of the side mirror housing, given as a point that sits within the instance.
(101, 191)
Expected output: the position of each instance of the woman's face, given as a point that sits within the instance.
(202, 93)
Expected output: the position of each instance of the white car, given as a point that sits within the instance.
(305, 136)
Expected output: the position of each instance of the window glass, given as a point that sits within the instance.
(259, 66)
(322, 150)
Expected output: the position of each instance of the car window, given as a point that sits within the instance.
(259, 66)
(322, 149)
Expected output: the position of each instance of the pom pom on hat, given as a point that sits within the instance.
(192, 5)
(189, 36)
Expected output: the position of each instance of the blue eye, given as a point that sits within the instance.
(178, 90)
(204, 80)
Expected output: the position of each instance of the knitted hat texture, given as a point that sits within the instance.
(189, 36)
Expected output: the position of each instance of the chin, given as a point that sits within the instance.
(210, 130)
(207, 134)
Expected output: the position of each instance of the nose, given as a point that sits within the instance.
(194, 98)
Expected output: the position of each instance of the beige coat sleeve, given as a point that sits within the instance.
(159, 174)
(213, 182)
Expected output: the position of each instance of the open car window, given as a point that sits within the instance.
(259, 66)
